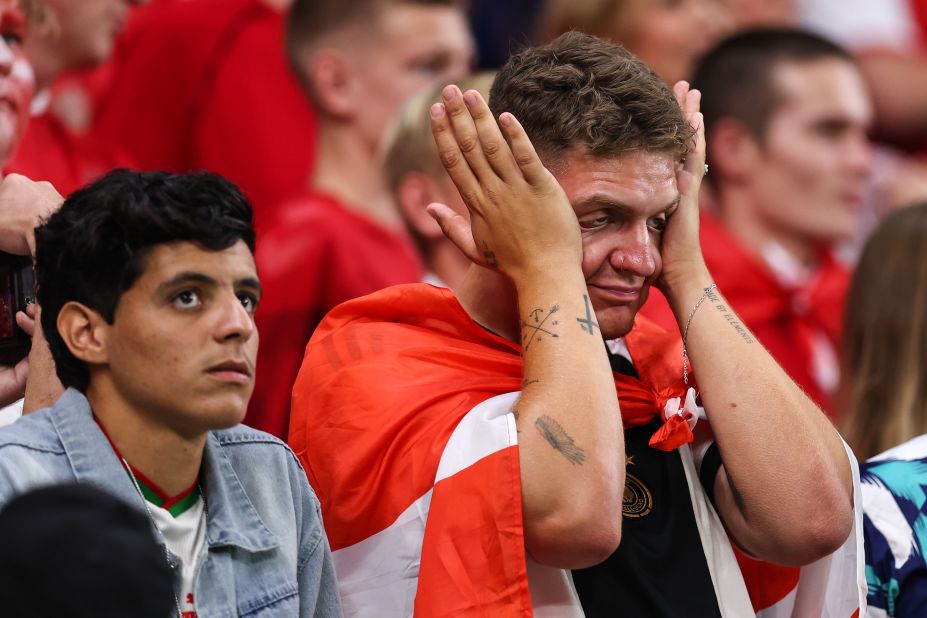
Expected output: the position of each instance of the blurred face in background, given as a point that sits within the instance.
(670, 35)
(415, 46)
(807, 180)
(85, 31)
(17, 80)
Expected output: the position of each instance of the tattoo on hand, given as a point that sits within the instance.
(538, 326)
(588, 323)
(729, 316)
(558, 438)
(489, 255)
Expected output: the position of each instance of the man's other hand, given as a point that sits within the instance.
(24, 205)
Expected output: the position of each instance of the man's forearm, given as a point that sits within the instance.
(570, 436)
(785, 464)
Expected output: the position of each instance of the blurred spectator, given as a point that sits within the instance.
(502, 28)
(668, 35)
(80, 34)
(204, 84)
(786, 114)
(889, 39)
(359, 61)
(885, 393)
(75, 551)
(756, 13)
(417, 178)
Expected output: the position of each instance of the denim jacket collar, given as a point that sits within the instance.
(231, 518)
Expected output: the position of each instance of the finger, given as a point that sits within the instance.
(452, 159)
(495, 148)
(13, 381)
(526, 157)
(456, 228)
(680, 89)
(25, 322)
(464, 129)
(693, 102)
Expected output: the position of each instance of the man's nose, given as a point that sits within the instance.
(634, 253)
(234, 321)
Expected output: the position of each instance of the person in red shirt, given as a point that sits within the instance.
(786, 114)
(359, 62)
(80, 35)
(205, 84)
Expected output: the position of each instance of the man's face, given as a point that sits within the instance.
(17, 81)
(87, 29)
(416, 46)
(815, 157)
(182, 346)
(622, 204)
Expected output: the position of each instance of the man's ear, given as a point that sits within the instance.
(85, 332)
(332, 82)
(416, 190)
(733, 151)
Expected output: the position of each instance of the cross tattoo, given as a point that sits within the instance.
(588, 324)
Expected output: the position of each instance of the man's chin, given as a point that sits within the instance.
(616, 322)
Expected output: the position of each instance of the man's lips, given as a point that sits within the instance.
(232, 371)
(617, 293)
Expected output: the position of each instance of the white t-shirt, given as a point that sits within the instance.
(184, 535)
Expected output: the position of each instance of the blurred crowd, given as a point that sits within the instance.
(813, 215)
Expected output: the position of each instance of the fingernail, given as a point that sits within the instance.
(470, 97)
(450, 93)
(505, 119)
(437, 110)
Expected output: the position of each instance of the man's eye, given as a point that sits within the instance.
(187, 299)
(249, 302)
(657, 224)
(590, 223)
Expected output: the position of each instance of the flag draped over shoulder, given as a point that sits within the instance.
(401, 418)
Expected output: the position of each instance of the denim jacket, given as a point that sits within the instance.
(265, 554)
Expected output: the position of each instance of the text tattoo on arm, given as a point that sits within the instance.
(558, 438)
(538, 325)
(729, 316)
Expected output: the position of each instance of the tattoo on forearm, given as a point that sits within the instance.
(588, 323)
(539, 325)
(489, 255)
(516, 415)
(558, 438)
(735, 493)
(528, 382)
(729, 316)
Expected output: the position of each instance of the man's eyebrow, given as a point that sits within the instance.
(601, 199)
(249, 282)
(187, 277)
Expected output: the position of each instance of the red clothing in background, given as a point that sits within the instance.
(205, 84)
(784, 319)
(51, 151)
(317, 254)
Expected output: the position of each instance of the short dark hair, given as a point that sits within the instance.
(308, 20)
(94, 247)
(582, 91)
(737, 80)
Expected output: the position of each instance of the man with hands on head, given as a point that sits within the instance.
(510, 466)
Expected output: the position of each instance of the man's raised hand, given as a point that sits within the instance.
(681, 251)
(520, 220)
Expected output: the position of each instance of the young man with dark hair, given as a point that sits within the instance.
(148, 289)
(786, 115)
(475, 441)
(358, 61)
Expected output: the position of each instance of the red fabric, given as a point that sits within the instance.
(782, 319)
(316, 255)
(204, 84)
(767, 583)
(50, 151)
(393, 373)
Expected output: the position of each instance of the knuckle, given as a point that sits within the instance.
(468, 143)
(449, 159)
(492, 148)
(524, 159)
(470, 199)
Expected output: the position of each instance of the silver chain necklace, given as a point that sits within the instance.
(167, 552)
